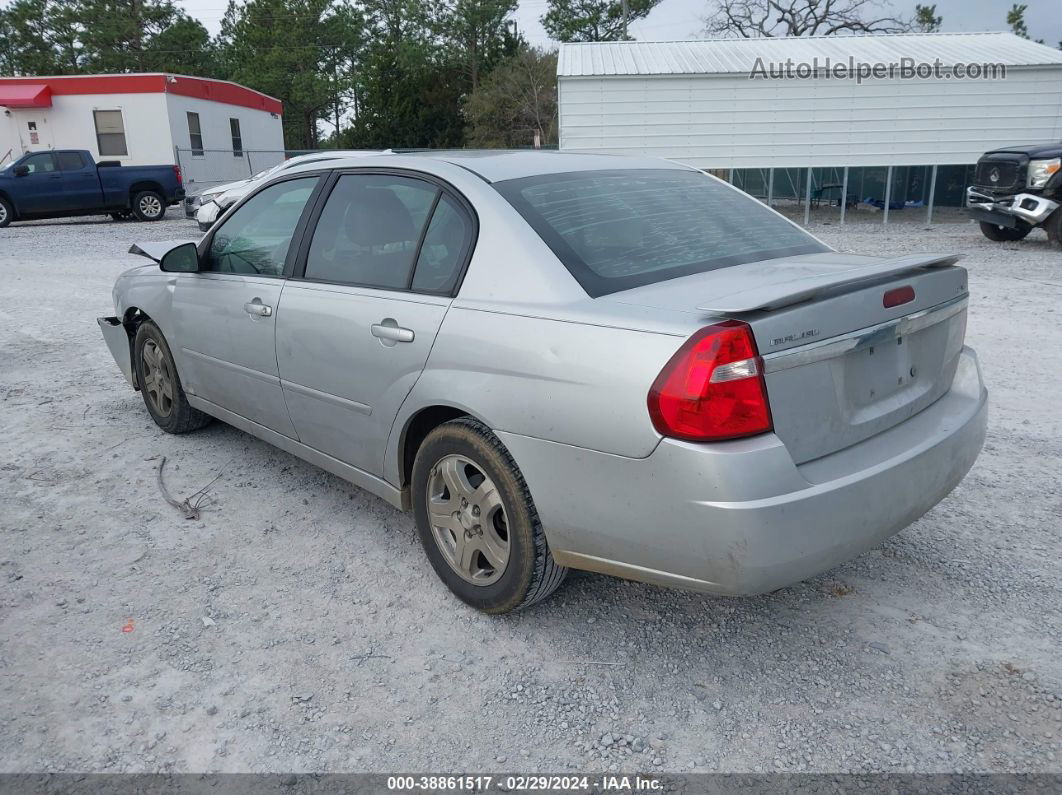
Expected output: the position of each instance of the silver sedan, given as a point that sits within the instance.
(568, 361)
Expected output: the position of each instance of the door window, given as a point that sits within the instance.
(39, 164)
(255, 239)
(370, 229)
(444, 248)
(69, 161)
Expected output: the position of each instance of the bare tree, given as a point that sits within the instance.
(757, 18)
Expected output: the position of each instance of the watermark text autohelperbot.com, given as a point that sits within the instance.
(852, 69)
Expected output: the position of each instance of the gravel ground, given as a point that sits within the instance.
(298, 627)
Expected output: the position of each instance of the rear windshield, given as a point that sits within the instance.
(615, 230)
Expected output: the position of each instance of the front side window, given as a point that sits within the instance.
(237, 139)
(255, 239)
(195, 134)
(370, 230)
(110, 133)
(40, 164)
(615, 230)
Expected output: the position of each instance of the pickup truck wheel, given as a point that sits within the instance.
(160, 385)
(1052, 225)
(148, 205)
(1002, 234)
(477, 522)
(7, 212)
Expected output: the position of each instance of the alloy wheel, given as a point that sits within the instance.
(150, 206)
(158, 380)
(468, 520)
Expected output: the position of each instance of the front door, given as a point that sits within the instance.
(41, 190)
(354, 332)
(226, 313)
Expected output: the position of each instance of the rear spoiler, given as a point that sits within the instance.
(773, 295)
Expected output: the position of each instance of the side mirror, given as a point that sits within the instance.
(20, 171)
(182, 259)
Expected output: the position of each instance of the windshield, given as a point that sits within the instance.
(615, 230)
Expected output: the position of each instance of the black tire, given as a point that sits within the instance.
(7, 212)
(174, 415)
(1003, 234)
(530, 574)
(148, 205)
(1053, 226)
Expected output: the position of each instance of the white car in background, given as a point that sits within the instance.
(215, 201)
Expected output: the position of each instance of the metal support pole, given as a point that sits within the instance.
(888, 194)
(844, 194)
(770, 186)
(932, 194)
(807, 200)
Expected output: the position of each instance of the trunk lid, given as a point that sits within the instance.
(839, 366)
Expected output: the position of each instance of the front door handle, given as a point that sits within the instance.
(256, 307)
(390, 332)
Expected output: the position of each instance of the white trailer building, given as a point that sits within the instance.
(208, 127)
(783, 116)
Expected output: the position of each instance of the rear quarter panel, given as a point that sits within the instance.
(573, 383)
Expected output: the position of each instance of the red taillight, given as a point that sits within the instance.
(901, 295)
(712, 389)
(180, 179)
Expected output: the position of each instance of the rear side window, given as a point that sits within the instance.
(443, 252)
(615, 230)
(369, 230)
(69, 161)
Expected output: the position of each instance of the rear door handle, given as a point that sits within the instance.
(256, 307)
(389, 331)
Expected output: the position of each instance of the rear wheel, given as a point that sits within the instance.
(160, 385)
(148, 205)
(1002, 234)
(7, 212)
(1053, 227)
(477, 522)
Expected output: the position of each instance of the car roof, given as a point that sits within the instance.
(498, 165)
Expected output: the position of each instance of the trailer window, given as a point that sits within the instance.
(195, 134)
(615, 230)
(237, 139)
(110, 133)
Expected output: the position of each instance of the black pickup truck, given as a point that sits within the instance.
(1016, 189)
(66, 182)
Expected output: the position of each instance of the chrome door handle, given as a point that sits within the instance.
(389, 331)
(256, 307)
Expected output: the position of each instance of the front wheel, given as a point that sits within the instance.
(1001, 234)
(7, 212)
(477, 522)
(148, 205)
(160, 385)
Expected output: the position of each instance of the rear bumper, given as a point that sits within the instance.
(740, 517)
(117, 339)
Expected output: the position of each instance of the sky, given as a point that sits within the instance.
(683, 19)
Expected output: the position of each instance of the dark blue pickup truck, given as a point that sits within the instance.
(68, 182)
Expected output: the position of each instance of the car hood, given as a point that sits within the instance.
(1030, 150)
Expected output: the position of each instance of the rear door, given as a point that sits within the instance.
(355, 327)
(226, 314)
(81, 184)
